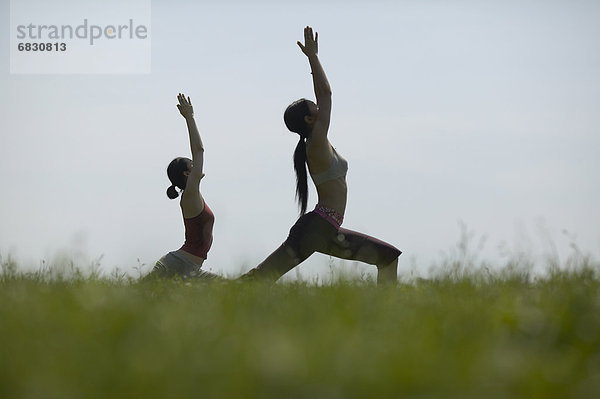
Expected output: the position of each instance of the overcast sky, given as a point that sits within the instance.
(485, 113)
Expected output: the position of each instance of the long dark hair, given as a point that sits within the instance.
(178, 179)
(294, 120)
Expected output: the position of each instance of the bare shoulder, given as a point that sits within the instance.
(192, 203)
(319, 154)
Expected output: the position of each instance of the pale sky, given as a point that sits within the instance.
(485, 113)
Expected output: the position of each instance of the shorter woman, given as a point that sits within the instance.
(198, 219)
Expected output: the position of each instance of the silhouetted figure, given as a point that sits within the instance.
(319, 230)
(185, 174)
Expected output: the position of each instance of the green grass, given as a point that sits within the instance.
(457, 335)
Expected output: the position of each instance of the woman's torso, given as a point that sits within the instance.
(332, 192)
(198, 235)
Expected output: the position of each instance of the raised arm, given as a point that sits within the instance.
(320, 83)
(187, 111)
(191, 200)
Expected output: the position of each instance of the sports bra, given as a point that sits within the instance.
(338, 168)
(199, 233)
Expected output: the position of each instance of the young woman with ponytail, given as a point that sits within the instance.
(320, 230)
(185, 174)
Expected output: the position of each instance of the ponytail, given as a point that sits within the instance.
(175, 171)
(301, 176)
(172, 192)
(294, 120)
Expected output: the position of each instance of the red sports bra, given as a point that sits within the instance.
(198, 233)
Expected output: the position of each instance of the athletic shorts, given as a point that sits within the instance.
(313, 233)
(174, 264)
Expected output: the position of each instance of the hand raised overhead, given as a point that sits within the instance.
(185, 106)
(311, 44)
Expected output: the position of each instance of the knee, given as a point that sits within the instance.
(379, 255)
(391, 254)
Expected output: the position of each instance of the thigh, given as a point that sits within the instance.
(172, 265)
(352, 245)
(310, 234)
(162, 268)
(204, 275)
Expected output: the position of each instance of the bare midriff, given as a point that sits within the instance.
(333, 194)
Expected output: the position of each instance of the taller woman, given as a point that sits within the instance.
(185, 175)
(320, 230)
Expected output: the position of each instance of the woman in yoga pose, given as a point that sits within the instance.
(320, 230)
(185, 174)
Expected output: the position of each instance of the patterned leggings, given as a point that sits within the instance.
(312, 233)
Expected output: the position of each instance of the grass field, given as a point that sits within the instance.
(455, 335)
